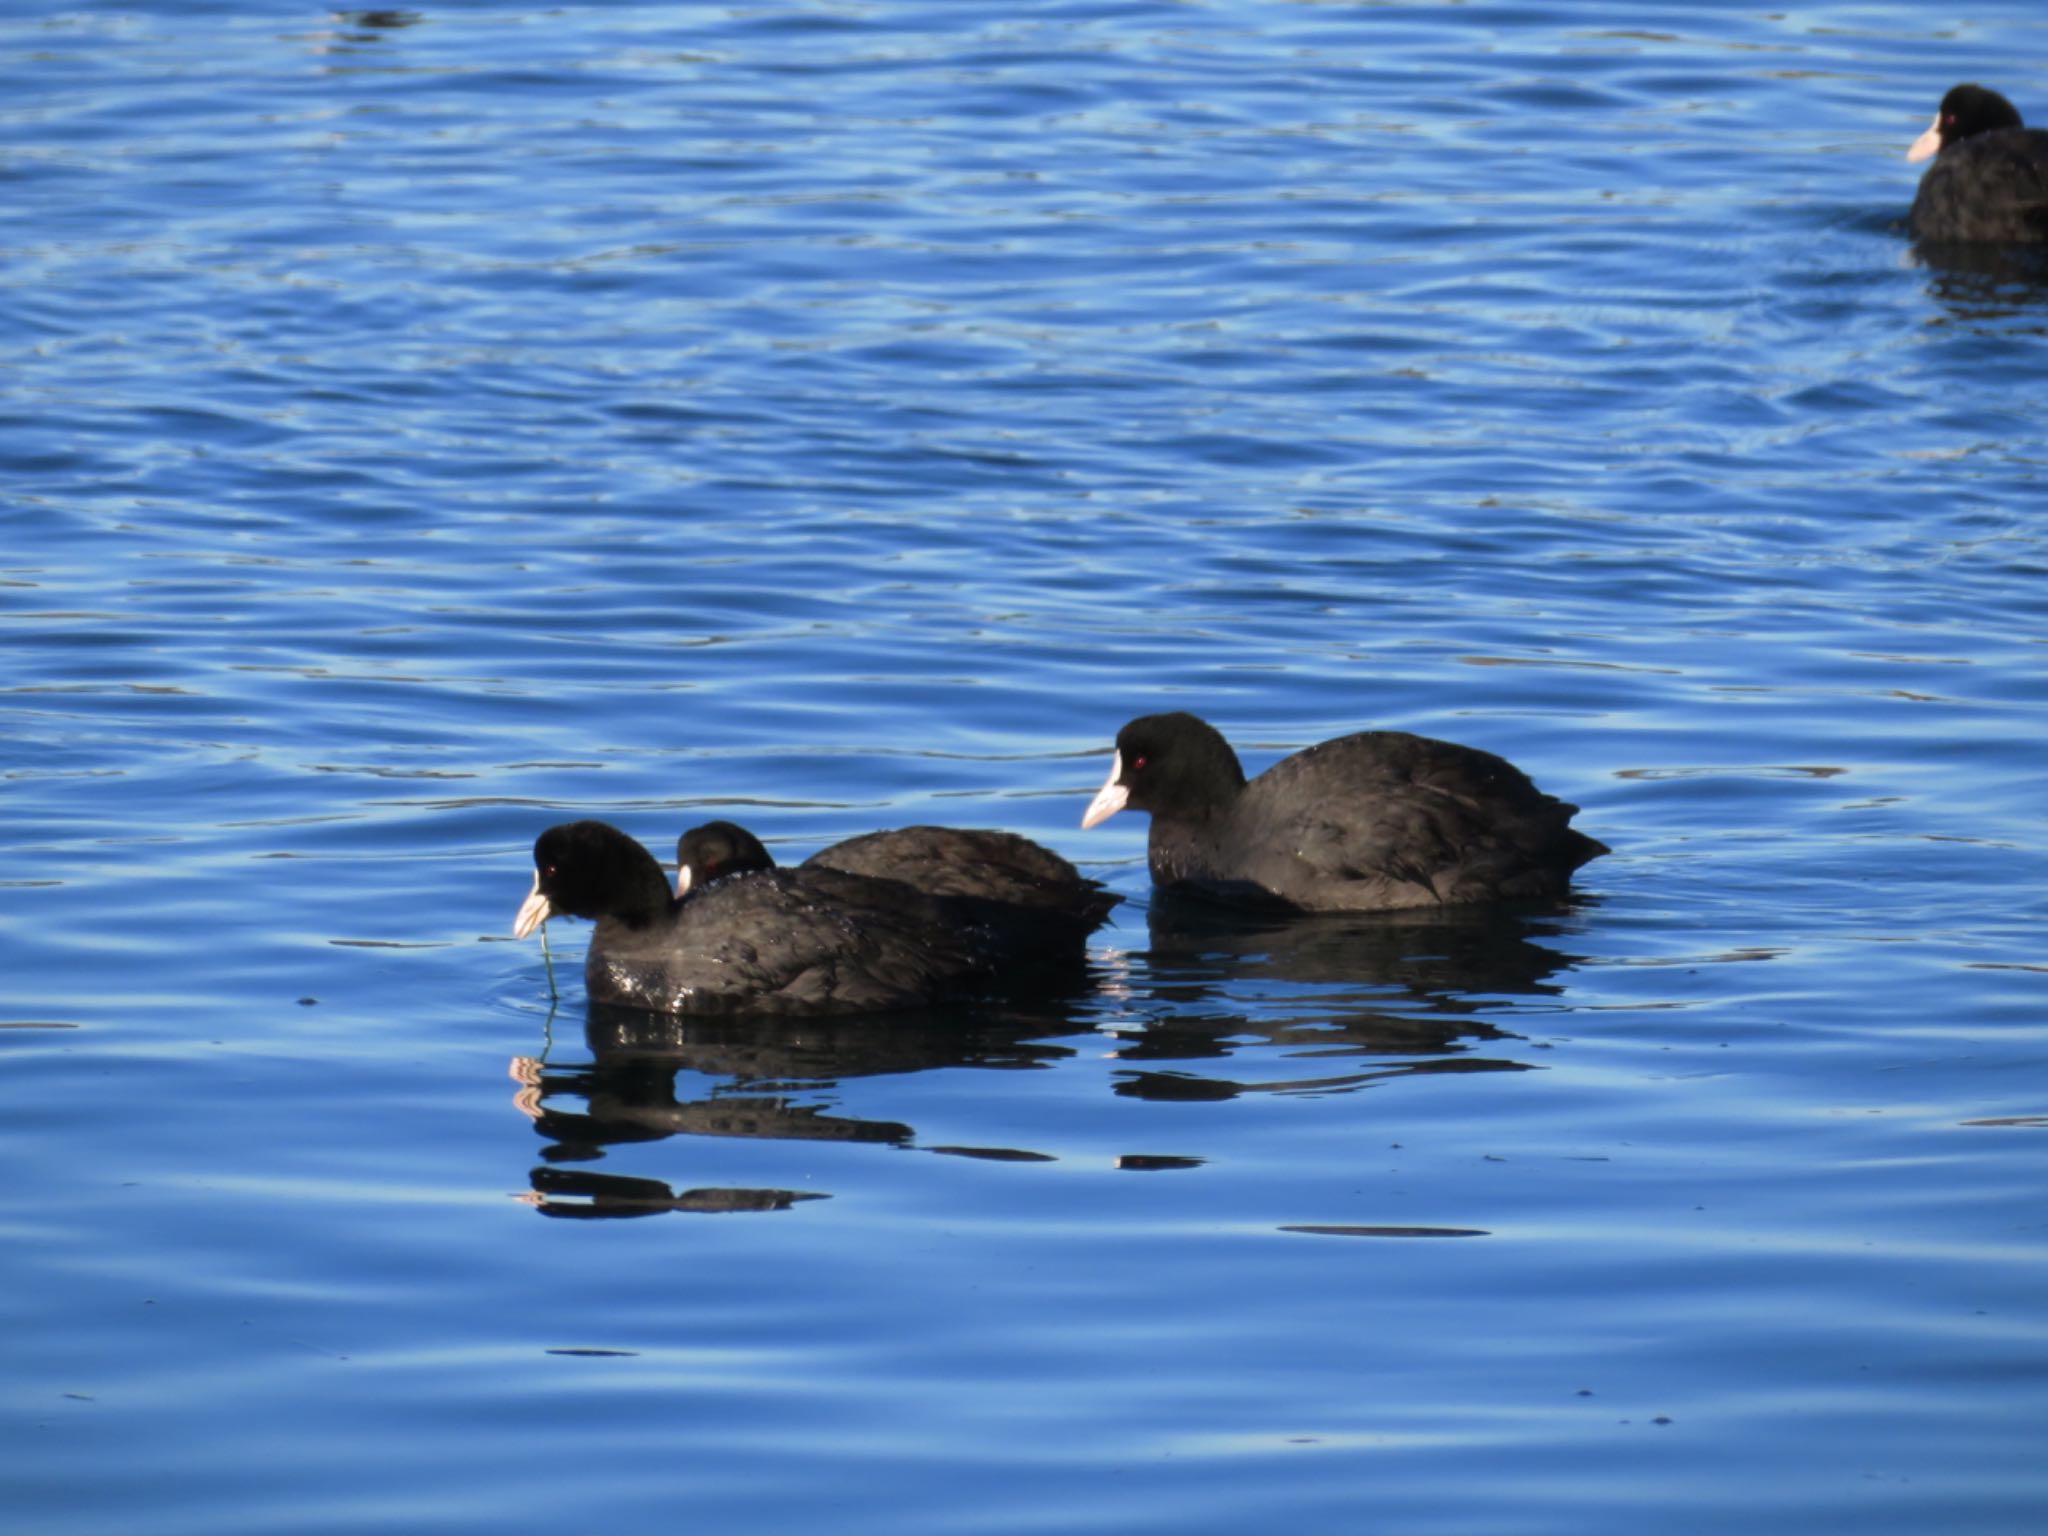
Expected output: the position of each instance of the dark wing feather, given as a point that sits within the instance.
(1990, 188)
(988, 866)
(1387, 819)
(819, 940)
(794, 941)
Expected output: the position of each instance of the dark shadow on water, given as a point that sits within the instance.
(1284, 1000)
(650, 1077)
(579, 1195)
(1405, 989)
(1995, 283)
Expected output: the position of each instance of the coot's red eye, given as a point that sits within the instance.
(548, 873)
(1138, 763)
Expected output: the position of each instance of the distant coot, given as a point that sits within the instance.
(1370, 822)
(940, 861)
(811, 940)
(1989, 180)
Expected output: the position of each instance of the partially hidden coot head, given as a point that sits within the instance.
(1966, 111)
(715, 850)
(1176, 765)
(590, 869)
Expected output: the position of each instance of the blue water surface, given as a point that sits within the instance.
(423, 426)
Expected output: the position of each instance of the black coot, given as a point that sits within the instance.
(940, 861)
(1989, 180)
(715, 850)
(811, 940)
(1364, 823)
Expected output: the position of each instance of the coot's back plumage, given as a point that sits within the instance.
(808, 940)
(1374, 821)
(1989, 180)
(939, 861)
(956, 861)
(802, 941)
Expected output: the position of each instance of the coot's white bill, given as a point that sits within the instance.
(1109, 799)
(533, 911)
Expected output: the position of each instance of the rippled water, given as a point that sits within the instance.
(424, 426)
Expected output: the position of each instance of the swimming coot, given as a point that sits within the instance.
(940, 861)
(810, 940)
(715, 850)
(1364, 823)
(1989, 180)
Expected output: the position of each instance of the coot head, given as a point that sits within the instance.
(1177, 765)
(1966, 111)
(715, 850)
(591, 870)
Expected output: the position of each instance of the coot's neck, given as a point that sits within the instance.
(1202, 782)
(656, 907)
(637, 893)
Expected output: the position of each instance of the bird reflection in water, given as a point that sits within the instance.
(760, 1078)
(2000, 290)
(1389, 995)
(1408, 989)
